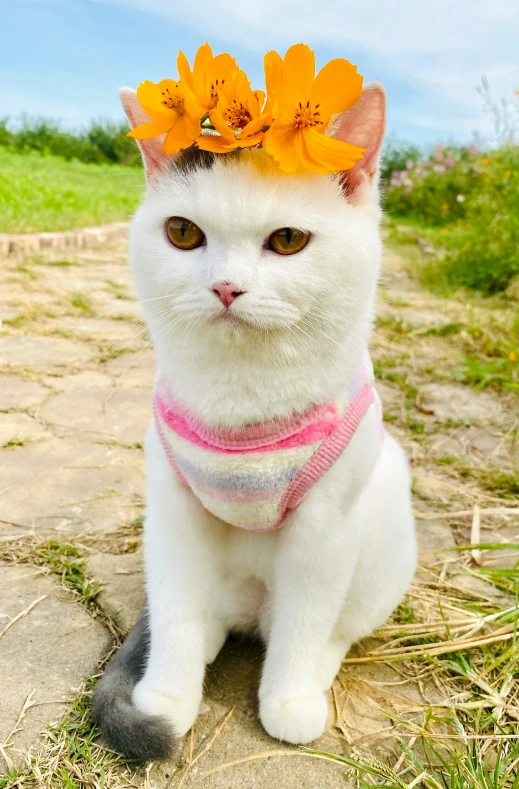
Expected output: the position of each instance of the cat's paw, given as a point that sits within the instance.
(180, 712)
(295, 720)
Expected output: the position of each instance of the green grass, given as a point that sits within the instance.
(43, 192)
(466, 764)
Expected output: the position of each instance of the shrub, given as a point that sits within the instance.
(435, 190)
(472, 198)
(395, 157)
(101, 143)
(483, 250)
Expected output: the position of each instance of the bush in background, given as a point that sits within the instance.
(103, 142)
(472, 200)
(395, 157)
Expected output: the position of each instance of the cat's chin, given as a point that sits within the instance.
(229, 321)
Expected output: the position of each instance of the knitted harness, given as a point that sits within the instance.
(252, 477)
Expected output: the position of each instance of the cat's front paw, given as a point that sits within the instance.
(180, 712)
(296, 720)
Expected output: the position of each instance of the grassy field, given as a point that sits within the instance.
(44, 192)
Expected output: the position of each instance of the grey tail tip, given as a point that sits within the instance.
(125, 728)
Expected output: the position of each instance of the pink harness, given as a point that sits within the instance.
(253, 476)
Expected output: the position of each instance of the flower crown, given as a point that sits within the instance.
(289, 122)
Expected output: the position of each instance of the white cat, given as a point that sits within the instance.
(245, 336)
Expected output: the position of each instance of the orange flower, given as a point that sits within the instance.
(208, 76)
(303, 104)
(171, 110)
(237, 117)
(512, 356)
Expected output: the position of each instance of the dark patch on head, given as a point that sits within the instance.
(193, 159)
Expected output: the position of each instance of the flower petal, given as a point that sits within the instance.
(300, 71)
(247, 142)
(334, 155)
(284, 144)
(218, 73)
(177, 137)
(149, 96)
(275, 79)
(148, 130)
(203, 58)
(184, 70)
(214, 143)
(336, 88)
(260, 98)
(191, 124)
(256, 125)
(221, 126)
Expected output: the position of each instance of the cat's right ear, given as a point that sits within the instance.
(364, 125)
(154, 158)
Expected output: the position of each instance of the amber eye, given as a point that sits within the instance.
(183, 233)
(288, 240)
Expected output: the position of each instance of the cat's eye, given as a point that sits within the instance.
(183, 233)
(288, 240)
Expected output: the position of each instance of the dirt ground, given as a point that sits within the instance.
(76, 373)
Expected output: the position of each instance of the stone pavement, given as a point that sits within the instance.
(76, 374)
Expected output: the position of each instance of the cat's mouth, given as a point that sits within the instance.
(229, 318)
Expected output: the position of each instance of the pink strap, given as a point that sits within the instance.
(328, 452)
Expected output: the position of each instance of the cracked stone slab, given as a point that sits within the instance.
(46, 652)
(122, 577)
(122, 414)
(88, 379)
(133, 369)
(20, 427)
(42, 353)
(71, 486)
(17, 393)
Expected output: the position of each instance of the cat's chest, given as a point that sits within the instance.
(249, 555)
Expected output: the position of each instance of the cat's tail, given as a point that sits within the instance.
(125, 728)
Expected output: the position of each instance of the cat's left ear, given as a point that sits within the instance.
(364, 125)
(153, 157)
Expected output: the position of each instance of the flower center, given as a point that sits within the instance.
(307, 116)
(237, 116)
(173, 101)
(216, 87)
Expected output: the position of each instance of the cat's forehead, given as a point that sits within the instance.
(247, 188)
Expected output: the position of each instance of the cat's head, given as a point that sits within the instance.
(208, 244)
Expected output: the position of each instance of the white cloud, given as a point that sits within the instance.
(439, 48)
(406, 27)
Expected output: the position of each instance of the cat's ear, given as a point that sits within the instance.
(154, 158)
(364, 125)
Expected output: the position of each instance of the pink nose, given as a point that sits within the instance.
(227, 292)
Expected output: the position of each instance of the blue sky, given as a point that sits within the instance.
(65, 59)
